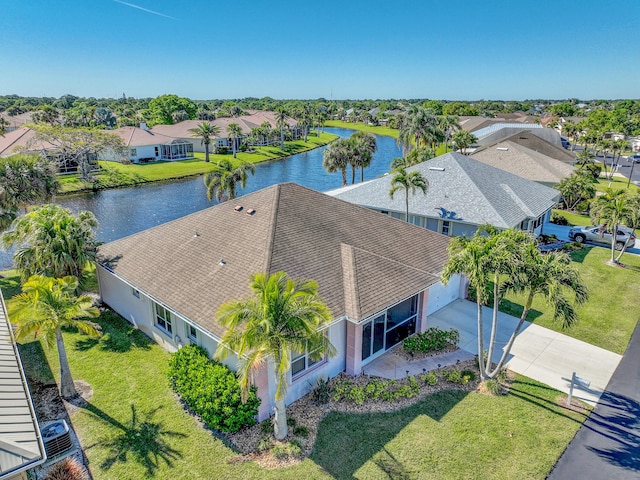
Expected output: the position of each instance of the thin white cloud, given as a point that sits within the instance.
(144, 9)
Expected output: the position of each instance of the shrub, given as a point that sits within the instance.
(291, 421)
(266, 426)
(470, 374)
(222, 150)
(211, 390)
(301, 431)
(265, 443)
(493, 387)
(432, 340)
(289, 449)
(322, 391)
(67, 469)
(558, 219)
(430, 378)
(453, 376)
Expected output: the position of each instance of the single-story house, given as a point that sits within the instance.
(515, 158)
(21, 445)
(378, 275)
(143, 145)
(463, 193)
(13, 122)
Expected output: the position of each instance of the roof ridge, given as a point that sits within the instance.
(273, 226)
(377, 255)
(350, 281)
(13, 142)
(133, 129)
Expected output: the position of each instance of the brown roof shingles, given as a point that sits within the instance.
(305, 233)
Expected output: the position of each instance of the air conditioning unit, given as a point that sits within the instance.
(56, 438)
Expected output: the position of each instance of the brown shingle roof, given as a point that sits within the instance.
(363, 261)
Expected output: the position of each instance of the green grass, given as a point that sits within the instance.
(117, 174)
(386, 131)
(574, 218)
(608, 318)
(616, 183)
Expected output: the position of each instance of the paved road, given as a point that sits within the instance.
(608, 444)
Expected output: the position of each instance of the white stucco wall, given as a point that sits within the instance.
(441, 295)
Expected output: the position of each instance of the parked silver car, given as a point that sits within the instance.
(601, 236)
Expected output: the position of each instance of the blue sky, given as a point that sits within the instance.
(204, 49)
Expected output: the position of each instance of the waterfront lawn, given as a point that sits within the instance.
(609, 317)
(379, 130)
(449, 435)
(115, 174)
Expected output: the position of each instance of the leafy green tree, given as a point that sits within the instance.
(162, 108)
(448, 125)
(45, 114)
(419, 127)
(577, 188)
(338, 157)
(235, 132)
(415, 156)
(611, 210)
(459, 109)
(281, 121)
(222, 183)
(54, 242)
(281, 318)
(205, 131)
(403, 180)
(46, 306)
(25, 179)
(463, 139)
(4, 126)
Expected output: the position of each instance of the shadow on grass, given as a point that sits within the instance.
(578, 256)
(141, 439)
(35, 363)
(515, 309)
(118, 336)
(364, 436)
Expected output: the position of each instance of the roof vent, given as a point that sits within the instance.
(503, 149)
(238, 208)
(222, 262)
(251, 211)
(437, 169)
(196, 234)
(56, 438)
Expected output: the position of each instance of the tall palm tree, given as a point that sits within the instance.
(46, 306)
(551, 276)
(281, 318)
(449, 125)
(610, 209)
(364, 145)
(415, 156)
(52, 241)
(463, 140)
(281, 121)
(403, 180)
(222, 183)
(420, 127)
(337, 157)
(205, 131)
(235, 132)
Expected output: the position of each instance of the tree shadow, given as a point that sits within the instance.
(140, 439)
(515, 309)
(35, 363)
(578, 256)
(364, 436)
(118, 336)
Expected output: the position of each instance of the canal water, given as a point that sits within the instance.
(125, 211)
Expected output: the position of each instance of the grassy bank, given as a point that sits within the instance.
(114, 174)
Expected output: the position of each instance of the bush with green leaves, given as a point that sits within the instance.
(459, 377)
(211, 390)
(430, 378)
(432, 340)
(322, 391)
(558, 219)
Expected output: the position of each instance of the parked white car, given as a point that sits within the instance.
(601, 236)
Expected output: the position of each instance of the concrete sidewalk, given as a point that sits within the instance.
(539, 353)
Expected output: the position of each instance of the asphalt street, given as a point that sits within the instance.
(607, 446)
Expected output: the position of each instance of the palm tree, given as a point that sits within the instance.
(223, 181)
(403, 180)
(418, 126)
(448, 125)
(415, 156)
(337, 157)
(550, 275)
(205, 131)
(46, 306)
(364, 146)
(235, 132)
(281, 121)
(52, 241)
(610, 209)
(577, 187)
(463, 140)
(283, 317)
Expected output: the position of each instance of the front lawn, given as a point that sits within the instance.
(607, 320)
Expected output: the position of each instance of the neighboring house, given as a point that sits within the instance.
(524, 162)
(544, 140)
(463, 193)
(21, 446)
(16, 121)
(379, 276)
(143, 145)
(24, 139)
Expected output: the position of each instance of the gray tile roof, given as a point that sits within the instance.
(362, 260)
(20, 446)
(524, 162)
(462, 189)
(489, 130)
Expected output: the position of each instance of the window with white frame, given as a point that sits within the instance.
(446, 226)
(163, 319)
(302, 362)
(192, 333)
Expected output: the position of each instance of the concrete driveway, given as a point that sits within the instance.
(539, 353)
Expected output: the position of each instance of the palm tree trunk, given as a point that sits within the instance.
(361, 174)
(67, 389)
(353, 174)
(282, 137)
(280, 420)
(494, 323)
(483, 374)
(507, 348)
(406, 201)
(206, 152)
(344, 177)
